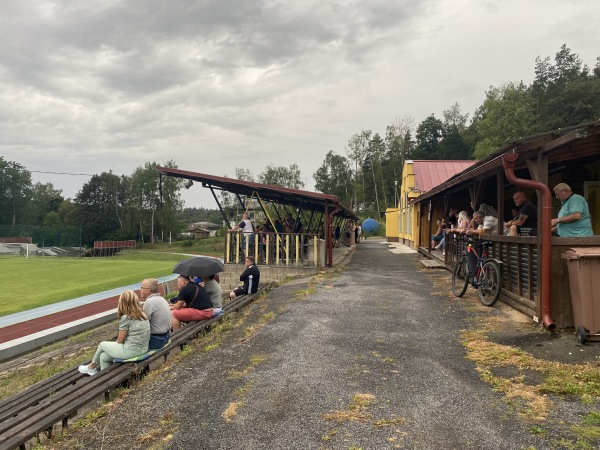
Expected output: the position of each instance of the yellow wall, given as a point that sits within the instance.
(391, 224)
(408, 214)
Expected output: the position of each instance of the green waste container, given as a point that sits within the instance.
(584, 277)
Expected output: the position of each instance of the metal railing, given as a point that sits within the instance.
(298, 249)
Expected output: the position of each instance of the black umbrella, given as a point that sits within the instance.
(199, 266)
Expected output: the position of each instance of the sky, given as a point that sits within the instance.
(91, 87)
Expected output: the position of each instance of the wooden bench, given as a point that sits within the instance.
(38, 408)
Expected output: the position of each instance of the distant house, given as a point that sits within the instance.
(418, 177)
(203, 229)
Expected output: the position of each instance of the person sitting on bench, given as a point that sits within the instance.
(158, 312)
(192, 303)
(250, 277)
(133, 337)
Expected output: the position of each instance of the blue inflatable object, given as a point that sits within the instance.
(370, 225)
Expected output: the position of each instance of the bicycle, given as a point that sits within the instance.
(488, 275)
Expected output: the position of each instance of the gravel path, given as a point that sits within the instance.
(368, 358)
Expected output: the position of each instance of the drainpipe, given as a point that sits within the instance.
(508, 161)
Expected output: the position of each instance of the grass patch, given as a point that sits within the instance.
(534, 401)
(253, 329)
(231, 411)
(254, 361)
(355, 411)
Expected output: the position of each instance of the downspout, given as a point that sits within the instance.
(508, 161)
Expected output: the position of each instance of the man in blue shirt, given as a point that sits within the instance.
(574, 215)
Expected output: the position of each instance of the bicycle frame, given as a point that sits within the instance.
(479, 260)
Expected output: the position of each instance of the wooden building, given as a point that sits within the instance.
(535, 277)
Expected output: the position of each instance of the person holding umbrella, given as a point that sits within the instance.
(192, 303)
(250, 277)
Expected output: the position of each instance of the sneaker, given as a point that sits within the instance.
(475, 285)
(437, 247)
(444, 253)
(86, 370)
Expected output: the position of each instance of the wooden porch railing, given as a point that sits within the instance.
(520, 268)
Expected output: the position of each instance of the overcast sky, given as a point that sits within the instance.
(88, 87)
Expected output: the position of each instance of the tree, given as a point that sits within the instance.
(170, 203)
(398, 141)
(453, 117)
(565, 93)
(15, 191)
(375, 152)
(429, 135)
(145, 199)
(44, 199)
(97, 207)
(452, 145)
(335, 177)
(506, 114)
(357, 151)
(243, 174)
(282, 176)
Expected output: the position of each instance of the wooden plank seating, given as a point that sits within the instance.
(38, 408)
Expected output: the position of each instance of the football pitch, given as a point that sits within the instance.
(33, 282)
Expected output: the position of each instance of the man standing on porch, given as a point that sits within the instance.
(574, 215)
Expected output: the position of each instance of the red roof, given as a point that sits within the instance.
(429, 174)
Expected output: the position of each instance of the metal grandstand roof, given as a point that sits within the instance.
(297, 198)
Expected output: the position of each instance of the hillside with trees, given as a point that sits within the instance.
(564, 92)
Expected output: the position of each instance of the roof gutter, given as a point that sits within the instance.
(508, 161)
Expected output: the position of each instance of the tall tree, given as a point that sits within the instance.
(453, 117)
(357, 152)
(145, 198)
(506, 114)
(44, 199)
(282, 176)
(335, 177)
(429, 135)
(15, 191)
(97, 202)
(565, 93)
(171, 204)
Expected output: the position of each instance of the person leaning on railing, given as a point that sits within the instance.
(574, 215)
(527, 216)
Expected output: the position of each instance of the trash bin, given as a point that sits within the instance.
(584, 270)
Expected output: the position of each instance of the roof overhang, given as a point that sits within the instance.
(294, 197)
(528, 147)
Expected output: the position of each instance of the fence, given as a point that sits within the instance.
(299, 249)
(35, 240)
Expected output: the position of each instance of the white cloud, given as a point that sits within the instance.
(91, 87)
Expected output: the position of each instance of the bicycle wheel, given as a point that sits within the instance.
(460, 277)
(489, 283)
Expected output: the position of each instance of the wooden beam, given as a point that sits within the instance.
(571, 136)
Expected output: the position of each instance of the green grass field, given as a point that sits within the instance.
(33, 282)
